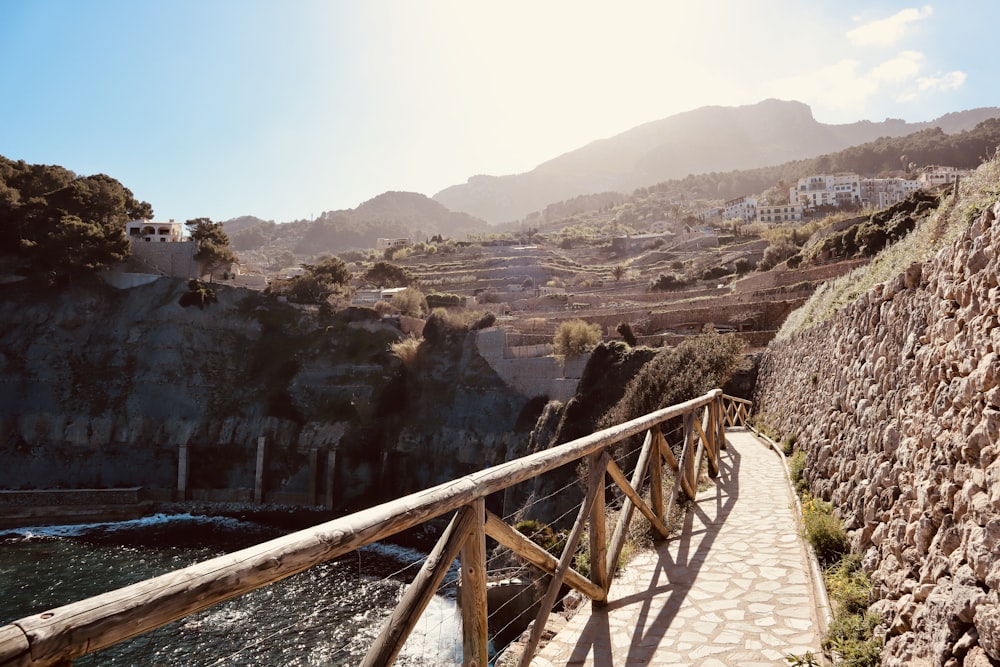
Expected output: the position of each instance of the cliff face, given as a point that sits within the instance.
(897, 406)
(101, 387)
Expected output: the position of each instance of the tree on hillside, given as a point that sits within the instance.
(385, 274)
(213, 251)
(619, 271)
(320, 281)
(64, 224)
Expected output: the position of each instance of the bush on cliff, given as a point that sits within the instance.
(691, 369)
(576, 337)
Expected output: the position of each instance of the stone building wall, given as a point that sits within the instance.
(897, 405)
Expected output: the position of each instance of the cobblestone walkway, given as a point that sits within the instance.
(735, 590)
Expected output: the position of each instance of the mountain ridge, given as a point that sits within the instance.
(711, 138)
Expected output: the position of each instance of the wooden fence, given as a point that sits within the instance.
(58, 636)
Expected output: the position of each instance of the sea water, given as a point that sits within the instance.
(327, 615)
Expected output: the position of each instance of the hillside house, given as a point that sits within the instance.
(743, 208)
(160, 232)
(160, 248)
(369, 297)
(779, 213)
(935, 175)
(827, 190)
(391, 244)
(884, 192)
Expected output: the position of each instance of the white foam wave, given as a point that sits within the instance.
(78, 530)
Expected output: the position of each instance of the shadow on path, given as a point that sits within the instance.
(673, 578)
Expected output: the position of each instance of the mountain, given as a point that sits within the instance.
(389, 215)
(704, 140)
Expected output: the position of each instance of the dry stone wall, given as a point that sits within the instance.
(897, 406)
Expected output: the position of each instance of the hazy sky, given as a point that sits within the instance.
(283, 110)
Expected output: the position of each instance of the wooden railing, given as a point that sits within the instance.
(58, 636)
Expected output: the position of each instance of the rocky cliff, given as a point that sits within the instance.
(897, 406)
(101, 387)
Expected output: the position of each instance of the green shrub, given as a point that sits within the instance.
(796, 468)
(848, 585)
(575, 337)
(410, 302)
(823, 530)
(852, 636)
(542, 534)
(198, 294)
(788, 445)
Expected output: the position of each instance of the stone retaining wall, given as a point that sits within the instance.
(897, 405)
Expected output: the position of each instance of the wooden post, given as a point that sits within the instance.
(722, 423)
(258, 484)
(594, 485)
(597, 464)
(406, 614)
(313, 472)
(688, 481)
(331, 476)
(704, 428)
(656, 480)
(183, 470)
(472, 591)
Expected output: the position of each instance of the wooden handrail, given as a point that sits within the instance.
(68, 632)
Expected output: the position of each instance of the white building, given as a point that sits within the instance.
(159, 232)
(779, 213)
(369, 297)
(935, 175)
(744, 208)
(827, 190)
(879, 193)
(385, 244)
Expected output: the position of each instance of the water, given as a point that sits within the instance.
(327, 615)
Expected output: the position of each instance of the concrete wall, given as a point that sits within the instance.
(170, 259)
(530, 376)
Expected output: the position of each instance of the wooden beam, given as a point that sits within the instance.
(14, 647)
(472, 592)
(619, 477)
(666, 452)
(537, 556)
(419, 593)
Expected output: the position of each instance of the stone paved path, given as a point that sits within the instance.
(736, 590)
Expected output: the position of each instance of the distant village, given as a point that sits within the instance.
(825, 191)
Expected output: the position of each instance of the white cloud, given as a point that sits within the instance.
(930, 84)
(849, 84)
(888, 31)
(904, 67)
